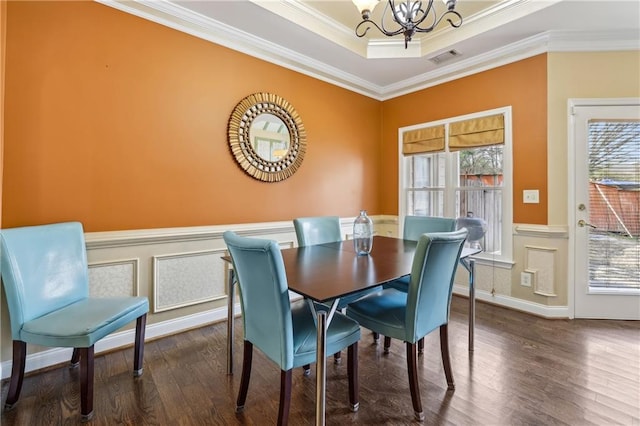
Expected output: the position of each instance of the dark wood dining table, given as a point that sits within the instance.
(326, 272)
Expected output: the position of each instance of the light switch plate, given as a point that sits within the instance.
(531, 196)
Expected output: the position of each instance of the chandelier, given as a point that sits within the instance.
(408, 15)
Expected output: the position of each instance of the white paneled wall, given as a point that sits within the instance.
(181, 271)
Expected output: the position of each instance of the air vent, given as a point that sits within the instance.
(444, 57)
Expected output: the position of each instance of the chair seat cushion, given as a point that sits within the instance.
(383, 312)
(341, 333)
(81, 324)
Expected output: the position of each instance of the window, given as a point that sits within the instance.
(461, 167)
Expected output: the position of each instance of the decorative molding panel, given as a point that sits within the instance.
(285, 245)
(498, 278)
(540, 262)
(541, 231)
(114, 278)
(186, 279)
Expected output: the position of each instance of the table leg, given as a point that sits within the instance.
(470, 266)
(472, 302)
(230, 318)
(322, 319)
(321, 363)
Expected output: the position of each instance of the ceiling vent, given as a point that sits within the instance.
(444, 57)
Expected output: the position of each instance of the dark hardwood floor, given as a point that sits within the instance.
(525, 371)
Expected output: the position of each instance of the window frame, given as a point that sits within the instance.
(451, 187)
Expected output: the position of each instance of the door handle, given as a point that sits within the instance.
(582, 224)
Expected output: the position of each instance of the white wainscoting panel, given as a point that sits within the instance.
(114, 278)
(187, 279)
(541, 262)
(493, 279)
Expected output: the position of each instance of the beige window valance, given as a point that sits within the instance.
(477, 132)
(428, 139)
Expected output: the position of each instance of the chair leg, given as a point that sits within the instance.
(352, 372)
(86, 382)
(75, 358)
(285, 397)
(139, 345)
(387, 344)
(446, 360)
(376, 337)
(17, 373)
(421, 346)
(412, 368)
(307, 370)
(246, 375)
(337, 358)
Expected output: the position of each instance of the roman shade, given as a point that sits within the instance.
(477, 132)
(428, 139)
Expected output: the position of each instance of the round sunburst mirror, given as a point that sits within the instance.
(267, 137)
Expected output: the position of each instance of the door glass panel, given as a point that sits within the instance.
(614, 199)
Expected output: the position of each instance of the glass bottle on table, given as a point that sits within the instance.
(363, 234)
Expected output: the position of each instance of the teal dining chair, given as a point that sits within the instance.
(46, 282)
(320, 230)
(285, 332)
(317, 230)
(413, 227)
(411, 315)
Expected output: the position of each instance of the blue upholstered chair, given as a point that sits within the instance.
(414, 226)
(411, 315)
(321, 230)
(45, 275)
(285, 332)
(317, 230)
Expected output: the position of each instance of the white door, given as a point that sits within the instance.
(606, 208)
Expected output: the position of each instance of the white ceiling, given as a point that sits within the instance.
(318, 37)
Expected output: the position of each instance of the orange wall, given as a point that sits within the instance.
(3, 39)
(523, 85)
(121, 123)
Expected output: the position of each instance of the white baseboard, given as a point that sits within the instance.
(120, 339)
(544, 311)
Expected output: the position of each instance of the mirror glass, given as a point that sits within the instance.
(267, 137)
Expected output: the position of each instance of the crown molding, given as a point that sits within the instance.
(593, 41)
(179, 18)
(299, 12)
(493, 59)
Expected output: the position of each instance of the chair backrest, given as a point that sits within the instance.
(432, 274)
(266, 310)
(414, 226)
(317, 230)
(44, 268)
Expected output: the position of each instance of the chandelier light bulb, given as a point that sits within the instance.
(365, 7)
